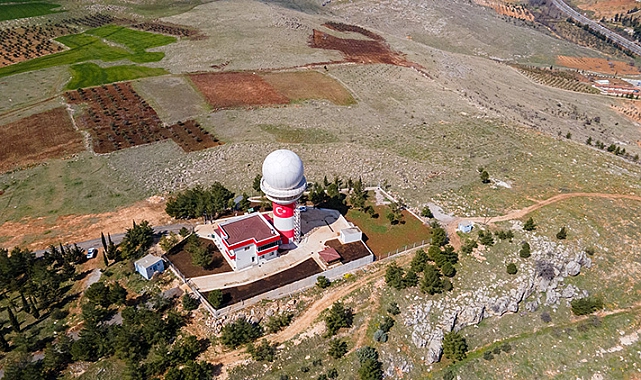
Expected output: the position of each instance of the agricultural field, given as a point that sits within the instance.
(90, 74)
(599, 65)
(38, 138)
(118, 118)
(560, 79)
(23, 9)
(85, 47)
(28, 42)
(243, 89)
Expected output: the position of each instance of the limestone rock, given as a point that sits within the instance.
(435, 348)
(573, 268)
(532, 306)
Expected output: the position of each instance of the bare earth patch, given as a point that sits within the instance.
(599, 65)
(507, 8)
(303, 85)
(76, 228)
(606, 8)
(37, 138)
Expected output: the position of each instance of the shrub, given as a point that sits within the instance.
(337, 348)
(447, 285)
(529, 225)
(277, 322)
(418, 261)
(506, 347)
(264, 352)
(239, 332)
(525, 250)
(426, 212)
(394, 276)
(393, 308)
(511, 268)
(587, 305)
(189, 302)
(545, 317)
(454, 346)
(485, 238)
(366, 353)
(380, 336)
(487, 355)
(589, 251)
(469, 246)
(410, 279)
(562, 234)
(448, 270)
(485, 176)
(387, 324)
(323, 282)
(317, 362)
(215, 298)
(332, 373)
(496, 350)
(449, 375)
(338, 316)
(304, 369)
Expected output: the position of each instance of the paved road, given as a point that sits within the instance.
(117, 238)
(576, 16)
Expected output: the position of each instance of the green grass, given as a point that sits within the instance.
(382, 237)
(85, 47)
(90, 74)
(285, 134)
(24, 10)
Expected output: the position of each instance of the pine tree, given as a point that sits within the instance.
(454, 346)
(104, 258)
(25, 305)
(529, 225)
(13, 320)
(525, 250)
(431, 282)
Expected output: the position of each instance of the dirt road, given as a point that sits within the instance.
(455, 240)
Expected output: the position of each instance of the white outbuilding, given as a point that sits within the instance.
(149, 265)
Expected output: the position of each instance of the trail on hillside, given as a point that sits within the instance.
(455, 240)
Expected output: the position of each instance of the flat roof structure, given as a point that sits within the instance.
(254, 227)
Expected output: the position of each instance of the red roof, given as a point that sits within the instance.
(329, 255)
(251, 228)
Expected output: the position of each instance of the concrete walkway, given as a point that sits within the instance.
(307, 248)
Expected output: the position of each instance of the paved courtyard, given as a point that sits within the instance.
(317, 226)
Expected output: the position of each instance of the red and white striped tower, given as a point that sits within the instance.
(283, 183)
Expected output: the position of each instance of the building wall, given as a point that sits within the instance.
(245, 256)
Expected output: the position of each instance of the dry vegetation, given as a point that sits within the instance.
(560, 79)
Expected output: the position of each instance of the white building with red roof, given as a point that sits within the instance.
(247, 241)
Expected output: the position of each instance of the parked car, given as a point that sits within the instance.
(302, 208)
(92, 252)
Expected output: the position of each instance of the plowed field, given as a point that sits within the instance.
(598, 65)
(37, 138)
(240, 89)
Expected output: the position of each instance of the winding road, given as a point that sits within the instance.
(576, 16)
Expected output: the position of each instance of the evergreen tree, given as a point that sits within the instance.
(426, 212)
(215, 298)
(511, 268)
(104, 242)
(358, 196)
(431, 282)
(25, 305)
(454, 346)
(418, 261)
(525, 250)
(410, 279)
(104, 259)
(439, 236)
(485, 177)
(394, 276)
(448, 270)
(15, 325)
(256, 184)
(529, 225)
(336, 317)
(337, 348)
(137, 240)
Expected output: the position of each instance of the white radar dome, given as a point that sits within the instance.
(283, 170)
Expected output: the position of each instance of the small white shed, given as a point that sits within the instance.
(149, 265)
(465, 227)
(350, 235)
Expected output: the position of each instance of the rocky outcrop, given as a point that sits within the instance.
(543, 274)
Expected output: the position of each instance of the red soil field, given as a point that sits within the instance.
(182, 260)
(37, 138)
(243, 292)
(117, 118)
(374, 50)
(237, 89)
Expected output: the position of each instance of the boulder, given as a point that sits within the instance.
(570, 291)
(551, 298)
(573, 268)
(435, 347)
(470, 315)
(532, 306)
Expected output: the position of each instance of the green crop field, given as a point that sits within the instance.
(85, 47)
(90, 74)
(22, 10)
